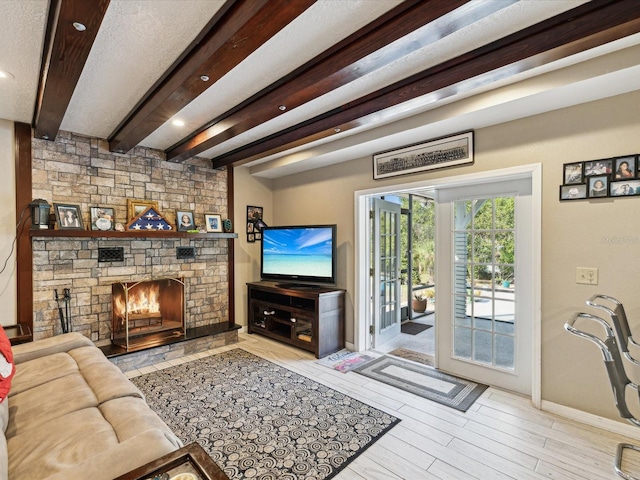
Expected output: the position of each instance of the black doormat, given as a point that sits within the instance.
(413, 328)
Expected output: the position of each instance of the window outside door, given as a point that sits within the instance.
(484, 277)
(386, 271)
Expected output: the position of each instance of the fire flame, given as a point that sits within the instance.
(143, 298)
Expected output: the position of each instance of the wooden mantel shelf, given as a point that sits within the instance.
(128, 234)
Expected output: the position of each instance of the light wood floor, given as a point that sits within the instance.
(500, 437)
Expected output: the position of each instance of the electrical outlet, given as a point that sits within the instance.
(587, 275)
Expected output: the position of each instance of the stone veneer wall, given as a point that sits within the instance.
(81, 171)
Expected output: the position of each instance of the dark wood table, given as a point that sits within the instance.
(18, 333)
(189, 459)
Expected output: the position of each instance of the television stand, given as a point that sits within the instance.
(311, 318)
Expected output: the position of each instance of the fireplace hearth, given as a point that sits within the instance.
(147, 313)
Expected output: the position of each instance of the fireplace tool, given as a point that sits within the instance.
(60, 311)
(67, 307)
(65, 320)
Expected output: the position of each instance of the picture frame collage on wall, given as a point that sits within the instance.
(254, 214)
(603, 178)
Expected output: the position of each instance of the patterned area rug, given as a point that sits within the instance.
(261, 421)
(424, 381)
(345, 360)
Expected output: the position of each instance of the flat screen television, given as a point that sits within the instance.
(299, 255)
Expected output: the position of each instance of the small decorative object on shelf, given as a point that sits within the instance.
(184, 221)
(227, 225)
(69, 217)
(151, 220)
(136, 207)
(102, 218)
(40, 211)
(213, 222)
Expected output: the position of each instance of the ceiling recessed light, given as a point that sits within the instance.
(79, 26)
(204, 78)
(282, 107)
(337, 130)
(5, 74)
(178, 123)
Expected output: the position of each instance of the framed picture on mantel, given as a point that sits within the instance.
(69, 217)
(136, 207)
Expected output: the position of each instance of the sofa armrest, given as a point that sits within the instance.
(48, 346)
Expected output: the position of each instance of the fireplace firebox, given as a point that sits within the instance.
(147, 313)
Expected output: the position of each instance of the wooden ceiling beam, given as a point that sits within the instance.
(238, 29)
(408, 27)
(587, 26)
(66, 49)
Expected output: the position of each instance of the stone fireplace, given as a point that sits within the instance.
(81, 171)
(147, 313)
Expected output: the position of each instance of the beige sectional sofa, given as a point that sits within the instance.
(72, 414)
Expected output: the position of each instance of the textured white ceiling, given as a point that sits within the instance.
(140, 39)
(137, 42)
(22, 24)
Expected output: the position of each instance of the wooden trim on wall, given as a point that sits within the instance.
(24, 255)
(230, 249)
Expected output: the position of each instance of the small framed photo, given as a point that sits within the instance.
(102, 218)
(598, 167)
(624, 188)
(69, 217)
(573, 173)
(184, 220)
(598, 186)
(573, 192)
(136, 207)
(251, 238)
(213, 222)
(625, 167)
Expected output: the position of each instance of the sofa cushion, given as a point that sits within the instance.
(129, 416)
(60, 443)
(103, 377)
(48, 346)
(42, 370)
(122, 458)
(31, 409)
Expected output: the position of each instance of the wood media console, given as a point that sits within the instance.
(308, 317)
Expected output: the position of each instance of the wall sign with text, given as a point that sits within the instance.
(440, 153)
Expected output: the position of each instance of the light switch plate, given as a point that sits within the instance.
(587, 275)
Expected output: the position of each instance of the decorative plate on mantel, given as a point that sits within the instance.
(150, 220)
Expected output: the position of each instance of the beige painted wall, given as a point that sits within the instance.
(604, 233)
(256, 192)
(7, 224)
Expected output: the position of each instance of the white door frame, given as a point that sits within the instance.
(362, 241)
